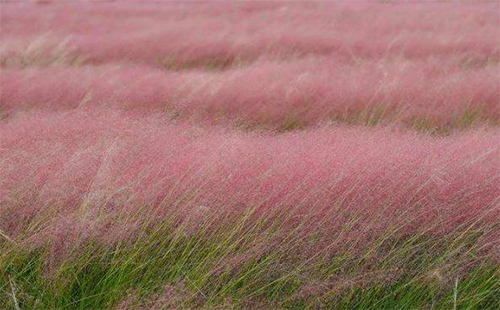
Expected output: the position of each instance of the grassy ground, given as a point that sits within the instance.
(288, 155)
(248, 263)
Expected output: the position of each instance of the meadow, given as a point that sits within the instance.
(248, 155)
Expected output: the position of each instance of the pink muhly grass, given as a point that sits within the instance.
(306, 92)
(286, 65)
(66, 165)
(223, 33)
(148, 157)
(40, 51)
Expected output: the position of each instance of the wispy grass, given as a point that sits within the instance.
(246, 155)
(244, 262)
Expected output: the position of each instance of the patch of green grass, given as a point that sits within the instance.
(215, 64)
(243, 263)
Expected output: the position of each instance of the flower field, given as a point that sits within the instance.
(248, 155)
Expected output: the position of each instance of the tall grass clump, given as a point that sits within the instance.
(420, 94)
(238, 218)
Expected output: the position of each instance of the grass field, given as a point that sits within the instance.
(249, 155)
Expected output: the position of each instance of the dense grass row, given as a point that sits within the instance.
(180, 34)
(251, 262)
(428, 95)
(432, 67)
(237, 218)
